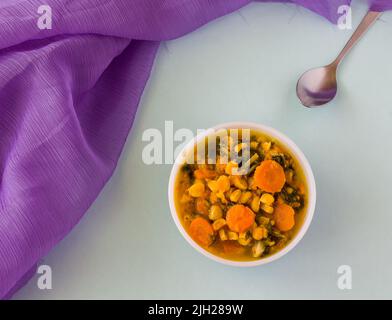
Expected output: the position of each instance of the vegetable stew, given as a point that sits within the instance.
(244, 198)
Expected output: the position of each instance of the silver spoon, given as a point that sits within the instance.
(319, 86)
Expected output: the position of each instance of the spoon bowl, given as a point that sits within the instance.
(317, 86)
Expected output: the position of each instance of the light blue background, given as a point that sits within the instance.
(244, 67)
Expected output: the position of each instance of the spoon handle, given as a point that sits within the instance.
(370, 18)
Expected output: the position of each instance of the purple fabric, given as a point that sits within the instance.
(380, 5)
(68, 97)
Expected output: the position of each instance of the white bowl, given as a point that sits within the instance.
(291, 146)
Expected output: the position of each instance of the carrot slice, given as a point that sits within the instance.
(201, 231)
(240, 218)
(284, 217)
(269, 176)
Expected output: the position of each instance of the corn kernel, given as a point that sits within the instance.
(213, 198)
(267, 199)
(244, 239)
(221, 197)
(245, 197)
(263, 220)
(266, 146)
(255, 204)
(251, 184)
(239, 182)
(267, 208)
(243, 235)
(212, 185)
(296, 205)
(289, 175)
(244, 242)
(222, 234)
(254, 145)
(235, 195)
(185, 198)
(223, 183)
(259, 233)
(232, 235)
(230, 166)
(196, 190)
(218, 224)
(215, 212)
